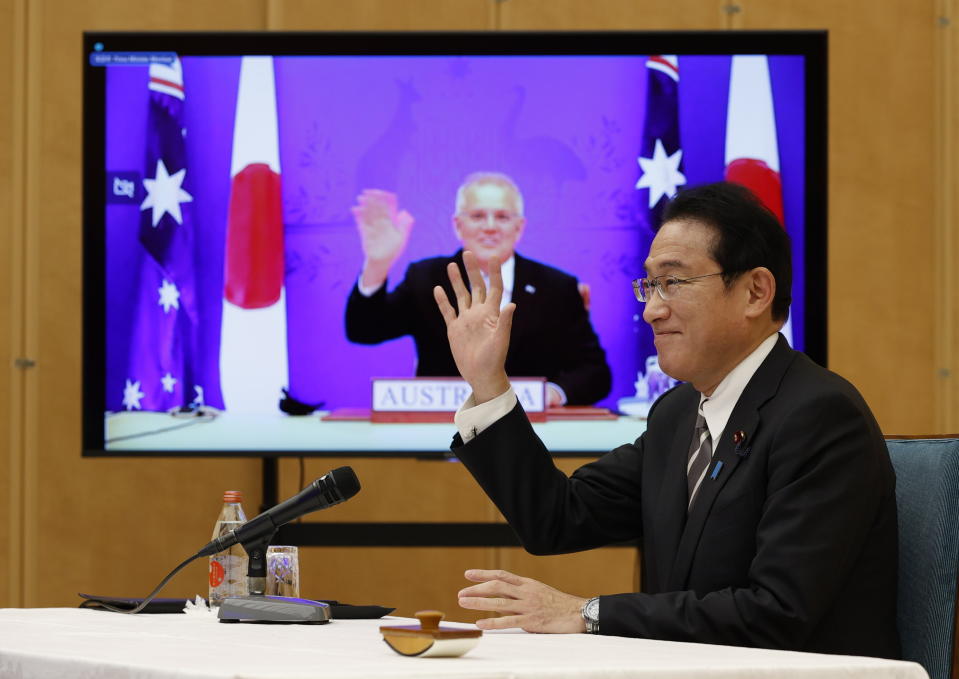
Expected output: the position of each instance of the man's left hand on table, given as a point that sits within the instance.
(521, 602)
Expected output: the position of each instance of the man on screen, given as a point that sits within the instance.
(761, 490)
(552, 337)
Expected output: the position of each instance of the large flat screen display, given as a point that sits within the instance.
(227, 178)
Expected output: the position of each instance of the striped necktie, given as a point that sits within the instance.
(700, 454)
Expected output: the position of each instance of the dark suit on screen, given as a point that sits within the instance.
(792, 545)
(551, 335)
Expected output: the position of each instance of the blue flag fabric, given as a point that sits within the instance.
(661, 165)
(162, 374)
(661, 155)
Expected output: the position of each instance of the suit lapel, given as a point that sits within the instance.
(727, 461)
(671, 504)
(524, 296)
(745, 418)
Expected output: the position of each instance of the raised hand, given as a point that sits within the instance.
(479, 332)
(521, 602)
(384, 231)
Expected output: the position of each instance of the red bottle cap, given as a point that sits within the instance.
(233, 496)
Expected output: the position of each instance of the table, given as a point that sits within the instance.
(66, 642)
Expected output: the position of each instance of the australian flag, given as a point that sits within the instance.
(661, 174)
(163, 340)
(661, 155)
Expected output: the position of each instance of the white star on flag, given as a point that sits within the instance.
(164, 194)
(199, 395)
(661, 173)
(169, 296)
(132, 395)
(169, 381)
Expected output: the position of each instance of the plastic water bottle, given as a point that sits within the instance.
(228, 568)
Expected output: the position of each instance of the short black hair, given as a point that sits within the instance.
(748, 235)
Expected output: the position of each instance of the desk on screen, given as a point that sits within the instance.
(306, 435)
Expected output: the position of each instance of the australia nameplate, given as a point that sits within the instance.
(436, 399)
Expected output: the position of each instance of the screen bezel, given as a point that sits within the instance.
(812, 45)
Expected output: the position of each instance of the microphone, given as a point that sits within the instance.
(335, 487)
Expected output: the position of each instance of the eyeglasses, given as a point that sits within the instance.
(666, 286)
(482, 217)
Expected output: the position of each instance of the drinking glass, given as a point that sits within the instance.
(283, 571)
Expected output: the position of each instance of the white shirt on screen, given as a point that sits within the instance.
(508, 270)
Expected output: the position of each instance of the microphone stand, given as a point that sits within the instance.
(258, 607)
(256, 570)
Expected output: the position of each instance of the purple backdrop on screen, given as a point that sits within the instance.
(567, 129)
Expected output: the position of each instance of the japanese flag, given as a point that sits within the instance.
(253, 351)
(752, 151)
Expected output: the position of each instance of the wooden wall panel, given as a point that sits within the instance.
(11, 296)
(611, 570)
(947, 218)
(409, 579)
(881, 192)
(611, 14)
(65, 20)
(113, 526)
(397, 490)
(384, 15)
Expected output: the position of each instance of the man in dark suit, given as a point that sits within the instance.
(761, 490)
(552, 335)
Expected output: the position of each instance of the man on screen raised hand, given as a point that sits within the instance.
(553, 337)
(761, 490)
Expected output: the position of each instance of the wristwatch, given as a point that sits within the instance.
(590, 613)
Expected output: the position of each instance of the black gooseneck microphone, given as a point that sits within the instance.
(335, 487)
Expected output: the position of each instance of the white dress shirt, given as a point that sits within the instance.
(719, 406)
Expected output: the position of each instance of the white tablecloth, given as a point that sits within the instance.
(66, 642)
